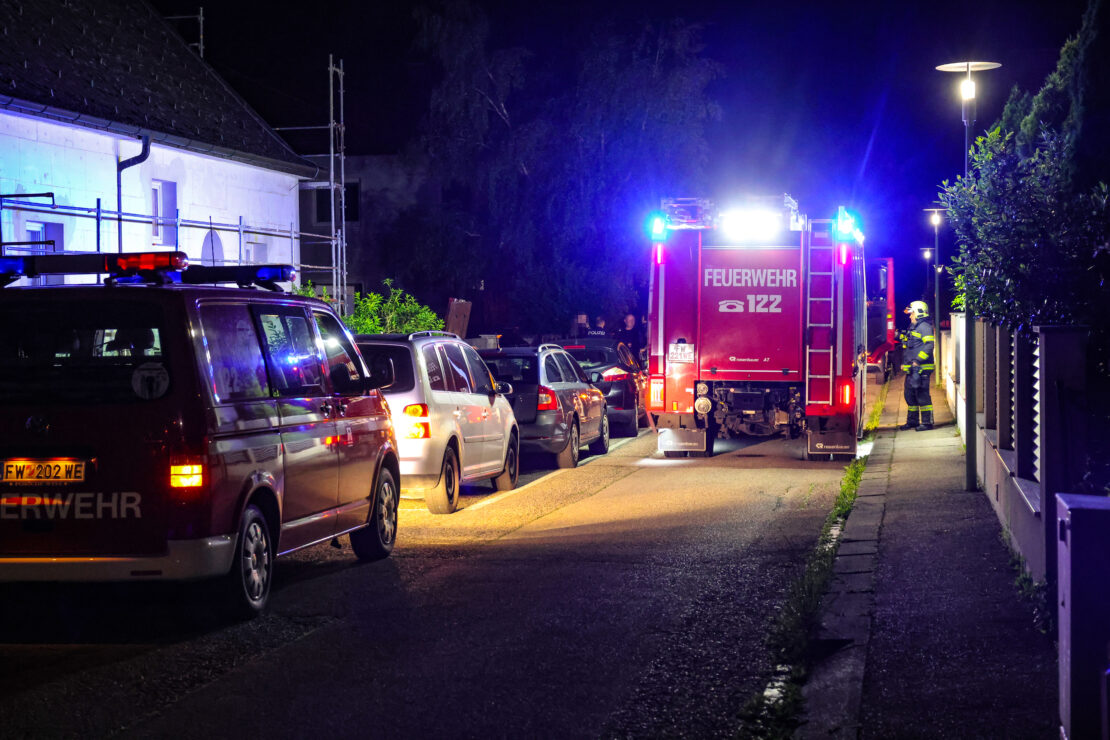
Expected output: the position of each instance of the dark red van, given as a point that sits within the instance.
(156, 428)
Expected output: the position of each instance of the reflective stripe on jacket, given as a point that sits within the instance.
(917, 345)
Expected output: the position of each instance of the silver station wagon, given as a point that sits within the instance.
(454, 425)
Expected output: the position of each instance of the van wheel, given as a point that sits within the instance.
(568, 458)
(507, 480)
(600, 446)
(252, 568)
(444, 498)
(375, 540)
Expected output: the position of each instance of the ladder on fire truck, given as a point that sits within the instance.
(820, 286)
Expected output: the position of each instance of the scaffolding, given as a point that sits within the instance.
(337, 180)
(20, 202)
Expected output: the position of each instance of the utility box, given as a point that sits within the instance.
(1083, 550)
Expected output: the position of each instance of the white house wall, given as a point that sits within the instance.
(79, 165)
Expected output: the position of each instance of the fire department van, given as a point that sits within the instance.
(154, 427)
(757, 325)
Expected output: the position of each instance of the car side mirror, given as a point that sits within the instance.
(382, 375)
(505, 389)
(596, 377)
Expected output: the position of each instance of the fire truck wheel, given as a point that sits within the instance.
(568, 458)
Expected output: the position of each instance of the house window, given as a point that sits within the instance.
(323, 207)
(163, 208)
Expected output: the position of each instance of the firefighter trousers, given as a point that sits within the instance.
(918, 401)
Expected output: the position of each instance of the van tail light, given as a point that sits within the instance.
(614, 375)
(187, 471)
(417, 425)
(545, 399)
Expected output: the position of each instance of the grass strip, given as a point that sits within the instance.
(774, 713)
(877, 410)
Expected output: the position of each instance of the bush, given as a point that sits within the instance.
(397, 313)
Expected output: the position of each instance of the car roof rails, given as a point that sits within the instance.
(548, 346)
(154, 267)
(245, 276)
(434, 333)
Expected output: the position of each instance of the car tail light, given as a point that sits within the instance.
(545, 399)
(419, 427)
(614, 374)
(186, 471)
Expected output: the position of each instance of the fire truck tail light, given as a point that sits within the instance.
(845, 396)
(546, 399)
(655, 393)
(659, 253)
(186, 471)
(844, 253)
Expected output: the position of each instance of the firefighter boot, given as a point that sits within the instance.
(926, 420)
(911, 420)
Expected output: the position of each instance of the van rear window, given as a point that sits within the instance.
(95, 352)
(378, 355)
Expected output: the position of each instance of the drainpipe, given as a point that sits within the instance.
(120, 167)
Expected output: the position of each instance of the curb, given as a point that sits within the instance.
(833, 692)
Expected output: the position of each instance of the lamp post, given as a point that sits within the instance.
(935, 219)
(967, 94)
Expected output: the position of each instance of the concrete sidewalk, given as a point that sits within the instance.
(923, 630)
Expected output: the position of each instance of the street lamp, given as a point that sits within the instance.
(967, 94)
(935, 219)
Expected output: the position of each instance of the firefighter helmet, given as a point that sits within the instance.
(917, 310)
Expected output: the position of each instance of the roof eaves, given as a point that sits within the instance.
(307, 170)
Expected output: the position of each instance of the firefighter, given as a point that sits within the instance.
(917, 358)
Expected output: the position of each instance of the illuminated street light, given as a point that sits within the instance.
(967, 94)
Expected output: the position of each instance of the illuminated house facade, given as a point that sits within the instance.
(85, 85)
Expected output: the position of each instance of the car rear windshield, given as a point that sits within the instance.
(376, 355)
(94, 352)
(591, 357)
(513, 368)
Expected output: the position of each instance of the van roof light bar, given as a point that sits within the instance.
(155, 264)
(264, 276)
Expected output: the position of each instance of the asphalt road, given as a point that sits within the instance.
(630, 596)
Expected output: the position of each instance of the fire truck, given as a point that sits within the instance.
(758, 325)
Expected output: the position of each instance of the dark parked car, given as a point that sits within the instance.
(612, 367)
(556, 407)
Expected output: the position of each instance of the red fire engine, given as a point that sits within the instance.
(758, 325)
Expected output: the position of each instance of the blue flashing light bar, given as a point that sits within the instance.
(848, 225)
(265, 275)
(128, 263)
(657, 226)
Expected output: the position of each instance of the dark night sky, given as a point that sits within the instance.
(836, 103)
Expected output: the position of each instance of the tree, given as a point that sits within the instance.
(1032, 236)
(544, 167)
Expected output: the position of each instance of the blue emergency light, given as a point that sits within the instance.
(848, 225)
(657, 226)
